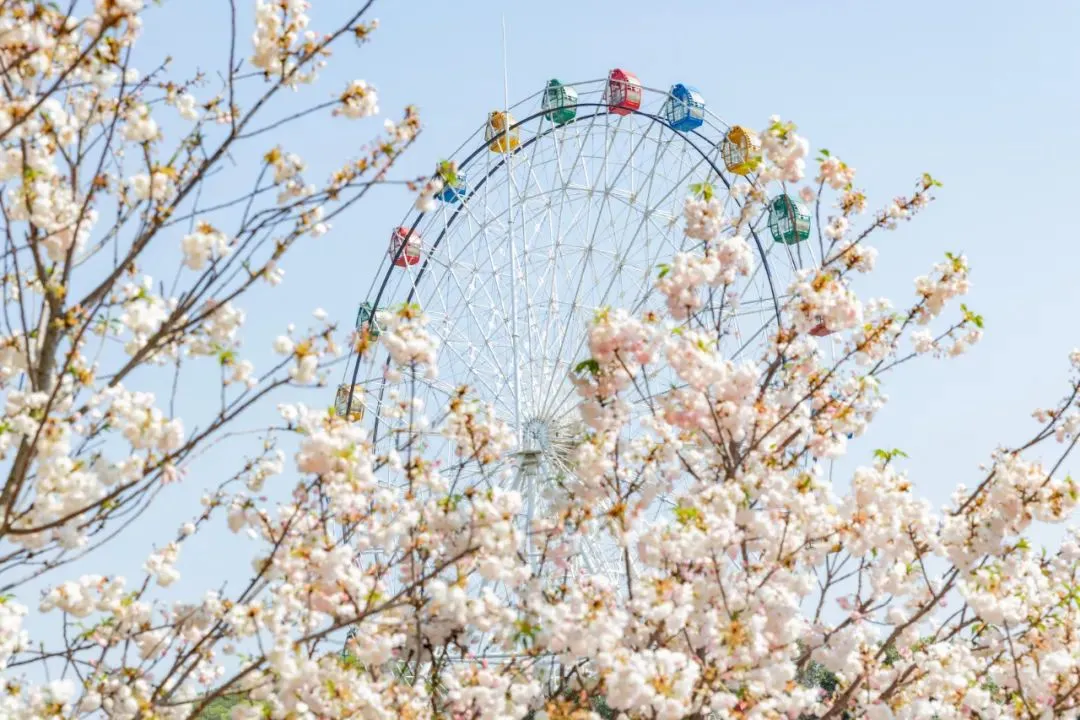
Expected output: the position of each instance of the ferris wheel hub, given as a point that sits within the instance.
(536, 435)
(549, 441)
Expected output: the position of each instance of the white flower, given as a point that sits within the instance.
(704, 218)
(204, 244)
(160, 564)
(358, 101)
(187, 106)
(922, 341)
(141, 127)
(283, 345)
(13, 638)
(160, 186)
(425, 201)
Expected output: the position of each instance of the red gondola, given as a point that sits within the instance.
(411, 254)
(623, 92)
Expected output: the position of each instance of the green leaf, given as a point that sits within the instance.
(969, 316)
(450, 503)
(887, 455)
(447, 170)
(955, 260)
(703, 189)
(686, 515)
(526, 631)
(590, 366)
(664, 270)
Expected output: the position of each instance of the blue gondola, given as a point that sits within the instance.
(453, 193)
(685, 109)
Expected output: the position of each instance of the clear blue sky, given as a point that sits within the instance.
(982, 95)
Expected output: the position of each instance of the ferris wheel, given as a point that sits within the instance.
(568, 209)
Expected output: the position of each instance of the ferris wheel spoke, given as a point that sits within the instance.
(595, 560)
(549, 365)
(495, 271)
(569, 323)
(481, 379)
(579, 160)
(539, 315)
(550, 324)
(468, 296)
(467, 304)
(746, 343)
(577, 163)
(563, 323)
(647, 218)
(537, 220)
(589, 260)
(531, 289)
(498, 273)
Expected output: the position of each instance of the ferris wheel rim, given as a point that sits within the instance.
(720, 124)
(602, 82)
(383, 277)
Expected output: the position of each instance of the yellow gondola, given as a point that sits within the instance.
(341, 402)
(501, 134)
(741, 150)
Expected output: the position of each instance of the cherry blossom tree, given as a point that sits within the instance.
(765, 591)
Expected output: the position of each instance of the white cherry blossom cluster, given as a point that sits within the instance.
(13, 637)
(205, 244)
(161, 565)
(851, 253)
(141, 126)
(824, 297)
(704, 217)
(358, 101)
(618, 340)
(159, 185)
(476, 430)
(683, 280)
(184, 102)
(785, 152)
(835, 173)
(619, 345)
(283, 43)
(287, 169)
(691, 557)
(406, 338)
(44, 198)
(425, 200)
(948, 280)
